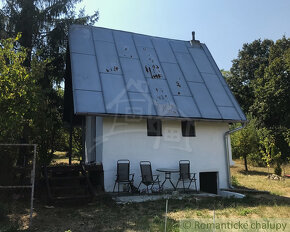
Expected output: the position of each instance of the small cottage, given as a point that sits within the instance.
(141, 97)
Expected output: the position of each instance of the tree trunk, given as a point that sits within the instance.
(245, 162)
(26, 25)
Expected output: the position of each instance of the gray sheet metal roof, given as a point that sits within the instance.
(123, 73)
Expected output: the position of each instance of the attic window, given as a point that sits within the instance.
(154, 127)
(188, 128)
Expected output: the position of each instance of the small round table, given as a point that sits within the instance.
(167, 172)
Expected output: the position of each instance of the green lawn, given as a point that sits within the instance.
(256, 178)
(60, 157)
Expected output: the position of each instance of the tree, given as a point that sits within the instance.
(268, 149)
(272, 89)
(260, 80)
(272, 96)
(44, 25)
(16, 86)
(246, 142)
(19, 96)
(249, 60)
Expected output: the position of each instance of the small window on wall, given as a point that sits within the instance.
(154, 127)
(188, 128)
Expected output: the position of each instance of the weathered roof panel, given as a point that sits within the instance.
(201, 60)
(224, 83)
(123, 73)
(187, 107)
(85, 72)
(217, 90)
(188, 67)
(133, 74)
(162, 98)
(178, 46)
(88, 101)
(228, 112)
(142, 104)
(115, 94)
(142, 41)
(78, 35)
(236, 104)
(102, 34)
(125, 44)
(163, 50)
(175, 79)
(107, 57)
(204, 101)
(150, 63)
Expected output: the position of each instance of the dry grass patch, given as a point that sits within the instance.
(256, 178)
(60, 157)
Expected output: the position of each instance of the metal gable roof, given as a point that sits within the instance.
(123, 73)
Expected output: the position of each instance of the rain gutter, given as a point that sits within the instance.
(227, 153)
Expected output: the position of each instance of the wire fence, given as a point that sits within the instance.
(17, 166)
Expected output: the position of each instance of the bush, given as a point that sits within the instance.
(235, 181)
(278, 170)
(255, 159)
(10, 228)
(5, 224)
(3, 212)
(245, 141)
(8, 160)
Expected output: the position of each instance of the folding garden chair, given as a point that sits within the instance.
(185, 175)
(123, 174)
(148, 179)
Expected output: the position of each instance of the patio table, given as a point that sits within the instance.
(167, 172)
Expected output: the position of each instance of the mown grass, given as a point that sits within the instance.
(256, 178)
(104, 214)
(60, 157)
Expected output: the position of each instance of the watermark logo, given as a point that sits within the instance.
(206, 225)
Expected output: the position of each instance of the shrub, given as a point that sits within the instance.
(3, 212)
(235, 181)
(8, 160)
(10, 228)
(255, 159)
(278, 170)
(245, 141)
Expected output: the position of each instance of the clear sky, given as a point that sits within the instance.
(223, 25)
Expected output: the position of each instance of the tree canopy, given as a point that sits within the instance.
(16, 86)
(34, 64)
(260, 80)
(249, 60)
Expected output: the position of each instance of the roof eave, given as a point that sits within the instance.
(160, 117)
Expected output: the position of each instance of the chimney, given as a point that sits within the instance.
(194, 41)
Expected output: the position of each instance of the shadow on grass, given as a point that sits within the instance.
(12, 212)
(104, 214)
(256, 173)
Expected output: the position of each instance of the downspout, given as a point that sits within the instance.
(227, 153)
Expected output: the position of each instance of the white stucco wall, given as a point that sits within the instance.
(232, 163)
(90, 131)
(127, 139)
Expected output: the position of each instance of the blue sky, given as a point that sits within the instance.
(223, 25)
